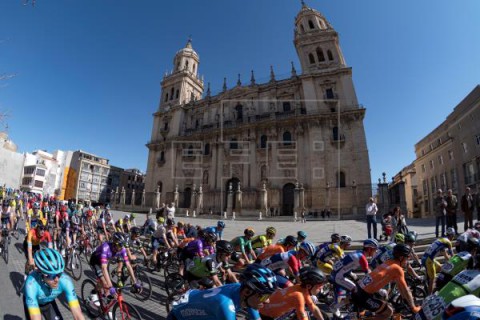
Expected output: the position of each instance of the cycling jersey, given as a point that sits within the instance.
(104, 252)
(384, 274)
(34, 218)
(436, 247)
(261, 241)
(215, 230)
(38, 293)
(205, 267)
(383, 254)
(32, 238)
(217, 303)
(327, 251)
(242, 244)
(196, 248)
(270, 251)
(283, 261)
(352, 261)
(289, 300)
(6, 213)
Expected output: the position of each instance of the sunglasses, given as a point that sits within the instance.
(264, 297)
(52, 277)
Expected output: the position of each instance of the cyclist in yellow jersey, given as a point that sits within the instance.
(327, 253)
(260, 242)
(33, 215)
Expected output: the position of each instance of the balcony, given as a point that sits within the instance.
(330, 99)
(338, 140)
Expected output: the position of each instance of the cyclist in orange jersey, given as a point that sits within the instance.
(288, 244)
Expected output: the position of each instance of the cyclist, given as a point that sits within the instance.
(243, 244)
(212, 265)
(62, 222)
(289, 243)
(256, 285)
(441, 245)
(45, 284)
(6, 213)
(160, 237)
(290, 260)
(33, 240)
(293, 300)
(104, 223)
(461, 243)
(388, 272)
(99, 262)
(134, 244)
(33, 215)
(301, 236)
(218, 230)
(326, 254)
(385, 252)
(262, 241)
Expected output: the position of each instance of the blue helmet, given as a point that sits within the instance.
(259, 279)
(308, 247)
(221, 224)
(49, 261)
(302, 234)
(370, 243)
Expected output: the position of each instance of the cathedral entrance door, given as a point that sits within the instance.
(234, 182)
(288, 199)
(187, 198)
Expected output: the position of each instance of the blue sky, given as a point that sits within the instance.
(88, 72)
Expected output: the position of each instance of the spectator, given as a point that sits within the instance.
(452, 205)
(477, 204)
(399, 223)
(161, 212)
(440, 205)
(171, 211)
(372, 210)
(304, 219)
(467, 206)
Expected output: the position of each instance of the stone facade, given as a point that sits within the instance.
(277, 147)
(449, 156)
(11, 163)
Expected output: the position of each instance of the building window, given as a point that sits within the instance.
(239, 111)
(287, 138)
(28, 170)
(329, 93)
(453, 178)
(340, 177)
(190, 150)
(320, 55)
(477, 139)
(166, 97)
(311, 58)
(207, 149)
(440, 159)
(26, 181)
(171, 94)
(40, 172)
(263, 142)
(431, 146)
(234, 144)
(194, 67)
(443, 182)
(286, 106)
(177, 94)
(439, 141)
(310, 24)
(38, 184)
(162, 156)
(431, 164)
(433, 184)
(330, 55)
(423, 168)
(450, 154)
(465, 148)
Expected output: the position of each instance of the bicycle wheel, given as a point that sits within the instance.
(88, 287)
(75, 265)
(146, 286)
(125, 312)
(174, 283)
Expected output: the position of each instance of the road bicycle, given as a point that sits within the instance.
(120, 278)
(5, 243)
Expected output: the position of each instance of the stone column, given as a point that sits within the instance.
(176, 196)
(122, 198)
(264, 200)
(200, 200)
(354, 197)
(238, 200)
(157, 198)
(193, 198)
(229, 199)
(296, 198)
(117, 197)
(114, 200)
(132, 203)
(143, 198)
(302, 197)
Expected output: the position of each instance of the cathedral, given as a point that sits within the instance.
(278, 147)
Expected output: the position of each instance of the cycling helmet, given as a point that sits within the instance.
(180, 224)
(118, 238)
(370, 243)
(224, 246)
(170, 222)
(450, 232)
(410, 238)
(312, 276)
(472, 243)
(133, 216)
(477, 225)
(308, 247)
(5, 203)
(63, 208)
(401, 250)
(161, 220)
(249, 232)
(271, 230)
(136, 231)
(399, 238)
(36, 205)
(49, 261)
(302, 234)
(220, 224)
(210, 237)
(259, 279)
(335, 237)
(126, 217)
(346, 239)
(290, 241)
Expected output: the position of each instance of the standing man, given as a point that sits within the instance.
(440, 205)
(467, 206)
(452, 205)
(372, 210)
(171, 211)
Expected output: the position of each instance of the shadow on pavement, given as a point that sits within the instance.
(147, 314)
(19, 246)
(17, 281)
(11, 317)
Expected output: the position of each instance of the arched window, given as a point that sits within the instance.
(310, 24)
(194, 66)
(190, 150)
(286, 106)
(320, 55)
(336, 136)
(207, 149)
(263, 142)
(340, 179)
(311, 58)
(162, 156)
(165, 126)
(330, 55)
(287, 138)
(177, 94)
(166, 97)
(234, 144)
(171, 93)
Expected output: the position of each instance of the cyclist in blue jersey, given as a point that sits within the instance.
(218, 230)
(44, 285)
(256, 285)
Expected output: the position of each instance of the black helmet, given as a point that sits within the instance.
(472, 243)
(136, 231)
(224, 246)
(170, 222)
(410, 238)
(210, 237)
(335, 237)
(290, 241)
(312, 276)
(401, 250)
(249, 232)
(119, 238)
(259, 279)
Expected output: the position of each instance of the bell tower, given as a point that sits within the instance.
(183, 83)
(316, 42)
